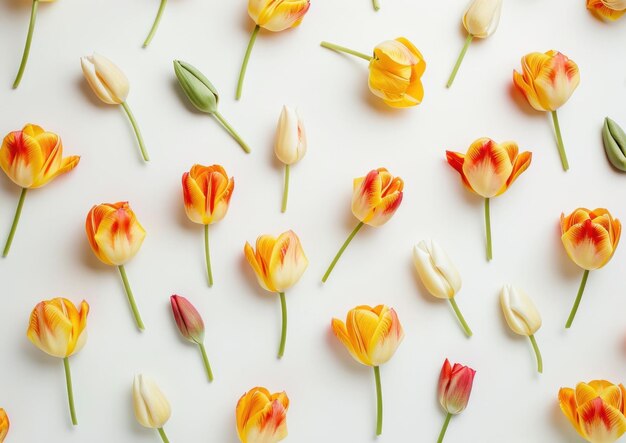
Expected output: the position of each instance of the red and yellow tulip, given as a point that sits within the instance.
(115, 236)
(58, 328)
(371, 336)
(489, 169)
(262, 416)
(31, 158)
(597, 410)
(590, 239)
(4, 424)
(607, 9)
(547, 81)
(454, 389)
(206, 193)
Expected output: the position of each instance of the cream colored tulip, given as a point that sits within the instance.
(482, 17)
(152, 409)
(291, 143)
(107, 81)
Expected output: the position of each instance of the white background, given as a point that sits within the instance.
(350, 132)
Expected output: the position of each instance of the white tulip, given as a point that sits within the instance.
(519, 311)
(437, 272)
(107, 80)
(152, 409)
(482, 17)
(290, 144)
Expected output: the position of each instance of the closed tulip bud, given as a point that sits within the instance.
(262, 416)
(481, 17)
(614, 140)
(290, 145)
(152, 410)
(455, 387)
(31, 158)
(590, 239)
(371, 336)
(522, 316)
(607, 9)
(4, 424)
(57, 327)
(597, 410)
(439, 275)
(115, 236)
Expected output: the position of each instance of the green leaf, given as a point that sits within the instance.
(197, 87)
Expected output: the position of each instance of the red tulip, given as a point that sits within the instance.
(455, 387)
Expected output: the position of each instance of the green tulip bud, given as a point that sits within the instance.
(614, 140)
(197, 87)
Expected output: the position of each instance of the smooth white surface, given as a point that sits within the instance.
(350, 132)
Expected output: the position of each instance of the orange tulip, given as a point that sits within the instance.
(206, 192)
(375, 198)
(262, 416)
(372, 336)
(547, 81)
(489, 169)
(115, 236)
(31, 158)
(607, 9)
(597, 410)
(4, 424)
(57, 327)
(590, 239)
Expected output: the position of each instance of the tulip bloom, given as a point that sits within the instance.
(455, 387)
(155, 25)
(480, 20)
(274, 16)
(607, 9)
(4, 424)
(191, 326)
(203, 95)
(597, 410)
(489, 169)
(290, 145)
(522, 316)
(590, 239)
(371, 336)
(396, 70)
(31, 158)
(375, 198)
(152, 410)
(614, 140)
(278, 264)
(547, 81)
(439, 275)
(262, 416)
(111, 86)
(57, 328)
(206, 193)
(115, 236)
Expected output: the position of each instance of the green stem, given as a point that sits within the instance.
(376, 4)
(340, 252)
(457, 311)
(283, 333)
(131, 117)
(163, 436)
(379, 402)
(70, 390)
(131, 298)
(155, 25)
(488, 229)
(338, 48)
(16, 220)
(232, 132)
(581, 289)
(285, 190)
(244, 65)
(205, 359)
(459, 60)
(29, 38)
(444, 428)
(559, 139)
(537, 353)
(207, 255)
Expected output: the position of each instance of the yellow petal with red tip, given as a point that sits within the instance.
(262, 417)
(376, 197)
(600, 422)
(487, 167)
(206, 193)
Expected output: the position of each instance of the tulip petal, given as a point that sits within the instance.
(258, 266)
(287, 262)
(588, 245)
(340, 331)
(487, 167)
(567, 402)
(386, 337)
(598, 8)
(601, 422)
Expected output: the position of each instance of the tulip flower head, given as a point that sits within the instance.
(290, 146)
(371, 336)
(547, 81)
(489, 169)
(395, 71)
(610, 10)
(32, 158)
(278, 264)
(57, 327)
(439, 275)
(152, 410)
(455, 387)
(262, 416)
(206, 193)
(590, 239)
(4, 425)
(522, 316)
(191, 326)
(274, 16)
(375, 198)
(111, 86)
(480, 20)
(614, 140)
(597, 410)
(115, 236)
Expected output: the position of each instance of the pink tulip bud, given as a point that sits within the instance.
(188, 319)
(455, 387)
